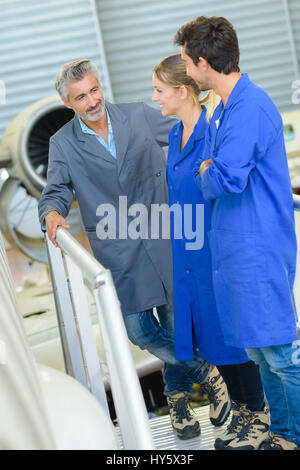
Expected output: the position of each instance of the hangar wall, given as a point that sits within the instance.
(138, 33)
(36, 38)
(126, 38)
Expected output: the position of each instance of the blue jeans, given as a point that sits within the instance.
(280, 374)
(156, 335)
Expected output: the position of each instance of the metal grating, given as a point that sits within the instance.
(165, 438)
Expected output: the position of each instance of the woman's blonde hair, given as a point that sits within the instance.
(172, 72)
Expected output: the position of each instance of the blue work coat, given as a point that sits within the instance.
(252, 237)
(195, 313)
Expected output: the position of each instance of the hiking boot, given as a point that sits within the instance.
(220, 403)
(239, 418)
(253, 433)
(275, 442)
(184, 424)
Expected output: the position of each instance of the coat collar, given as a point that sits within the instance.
(197, 135)
(239, 87)
(121, 132)
(220, 112)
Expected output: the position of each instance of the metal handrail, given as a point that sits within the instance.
(128, 398)
(84, 260)
(296, 198)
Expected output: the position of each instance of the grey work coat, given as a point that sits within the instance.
(141, 268)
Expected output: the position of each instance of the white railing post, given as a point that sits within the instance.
(127, 394)
(85, 327)
(74, 363)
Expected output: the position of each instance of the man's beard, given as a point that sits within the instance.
(89, 116)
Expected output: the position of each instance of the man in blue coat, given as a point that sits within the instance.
(111, 156)
(243, 171)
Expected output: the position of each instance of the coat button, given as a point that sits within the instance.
(158, 173)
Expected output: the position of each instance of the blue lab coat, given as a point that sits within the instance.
(194, 302)
(252, 237)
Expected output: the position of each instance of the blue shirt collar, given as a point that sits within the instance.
(239, 87)
(87, 130)
(199, 129)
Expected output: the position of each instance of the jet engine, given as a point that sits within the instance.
(24, 154)
(25, 142)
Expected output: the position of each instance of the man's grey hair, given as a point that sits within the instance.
(72, 72)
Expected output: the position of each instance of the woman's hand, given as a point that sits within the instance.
(204, 165)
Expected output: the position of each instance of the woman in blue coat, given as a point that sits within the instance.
(196, 317)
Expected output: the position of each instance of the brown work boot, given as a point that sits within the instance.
(184, 424)
(240, 416)
(220, 403)
(253, 433)
(276, 442)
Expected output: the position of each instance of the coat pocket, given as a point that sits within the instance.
(240, 265)
(235, 256)
(241, 286)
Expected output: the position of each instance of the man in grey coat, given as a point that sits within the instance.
(112, 157)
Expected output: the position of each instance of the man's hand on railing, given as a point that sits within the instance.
(54, 220)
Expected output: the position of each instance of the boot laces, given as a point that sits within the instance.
(233, 424)
(212, 391)
(248, 427)
(181, 407)
(238, 420)
(274, 441)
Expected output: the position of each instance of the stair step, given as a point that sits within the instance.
(165, 439)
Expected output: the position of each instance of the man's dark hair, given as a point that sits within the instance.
(212, 38)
